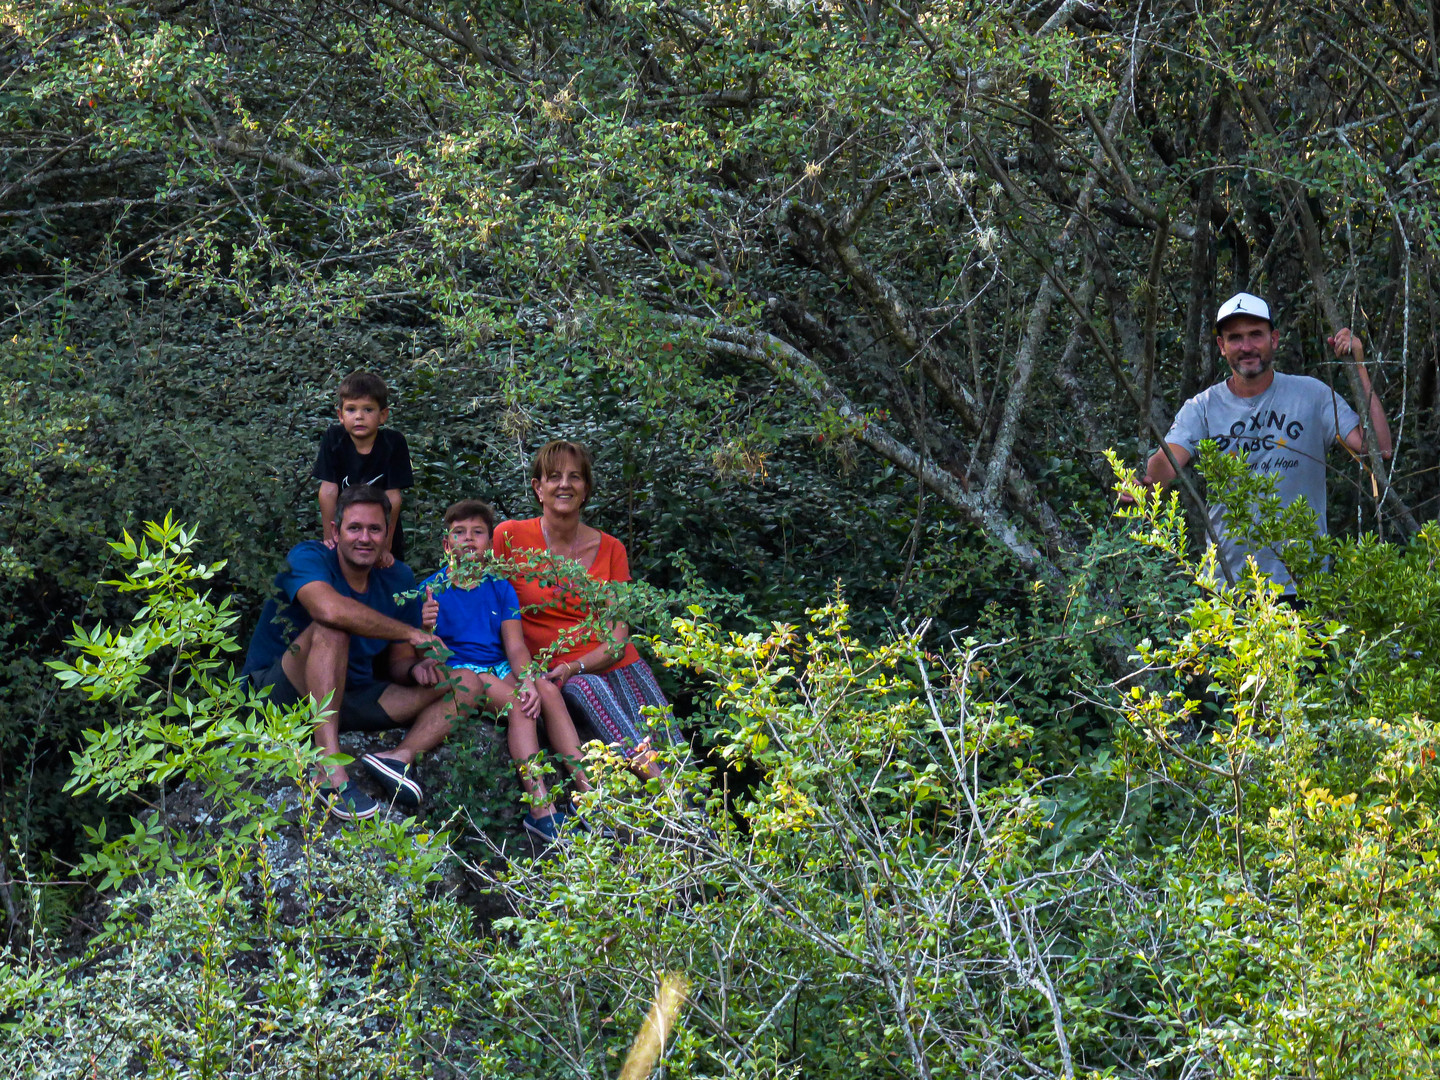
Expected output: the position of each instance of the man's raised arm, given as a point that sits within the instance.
(1345, 342)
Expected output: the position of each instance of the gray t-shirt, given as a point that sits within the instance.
(1287, 431)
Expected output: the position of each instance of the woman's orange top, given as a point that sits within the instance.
(548, 612)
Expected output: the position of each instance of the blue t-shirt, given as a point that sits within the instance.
(313, 561)
(469, 619)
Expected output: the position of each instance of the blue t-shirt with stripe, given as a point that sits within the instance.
(469, 619)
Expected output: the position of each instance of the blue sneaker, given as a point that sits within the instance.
(349, 803)
(545, 829)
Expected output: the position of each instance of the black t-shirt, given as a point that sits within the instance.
(387, 466)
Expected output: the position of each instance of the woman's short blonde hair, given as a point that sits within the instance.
(549, 458)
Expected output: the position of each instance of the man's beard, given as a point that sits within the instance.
(1266, 363)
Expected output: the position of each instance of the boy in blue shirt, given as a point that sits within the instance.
(480, 625)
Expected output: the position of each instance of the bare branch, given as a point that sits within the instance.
(463, 38)
(802, 373)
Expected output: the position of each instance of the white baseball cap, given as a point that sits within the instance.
(1243, 303)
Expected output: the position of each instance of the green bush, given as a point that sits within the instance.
(907, 888)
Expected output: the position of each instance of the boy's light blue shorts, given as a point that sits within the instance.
(500, 670)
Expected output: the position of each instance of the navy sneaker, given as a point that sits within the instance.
(546, 829)
(393, 776)
(349, 803)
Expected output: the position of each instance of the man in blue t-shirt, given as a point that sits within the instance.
(340, 616)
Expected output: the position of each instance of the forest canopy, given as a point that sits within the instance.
(850, 300)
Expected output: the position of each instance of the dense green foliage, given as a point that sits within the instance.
(907, 889)
(837, 291)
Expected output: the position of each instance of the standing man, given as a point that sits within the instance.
(340, 616)
(1282, 424)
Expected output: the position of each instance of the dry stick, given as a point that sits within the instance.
(1315, 264)
(1370, 395)
(1127, 184)
(1378, 30)
(281, 162)
(1366, 70)
(1239, 825)
(1412, 132)
(895, 311)
(899, 318)
(1019, 388)
(775, 1011)
(40, 173)
(651, 1039)
(1404, 352)
(39, 178)
(852, 830)
(1041, 983)
(116, 202)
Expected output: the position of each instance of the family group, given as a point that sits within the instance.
(350, 628)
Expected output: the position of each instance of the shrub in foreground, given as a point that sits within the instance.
(1236, 883)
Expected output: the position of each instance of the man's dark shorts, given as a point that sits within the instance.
(360, 710)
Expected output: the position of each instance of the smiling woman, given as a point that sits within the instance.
(607, 680)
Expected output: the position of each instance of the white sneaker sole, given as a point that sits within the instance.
(407, 791)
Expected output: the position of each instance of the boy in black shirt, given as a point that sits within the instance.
(359, 451)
